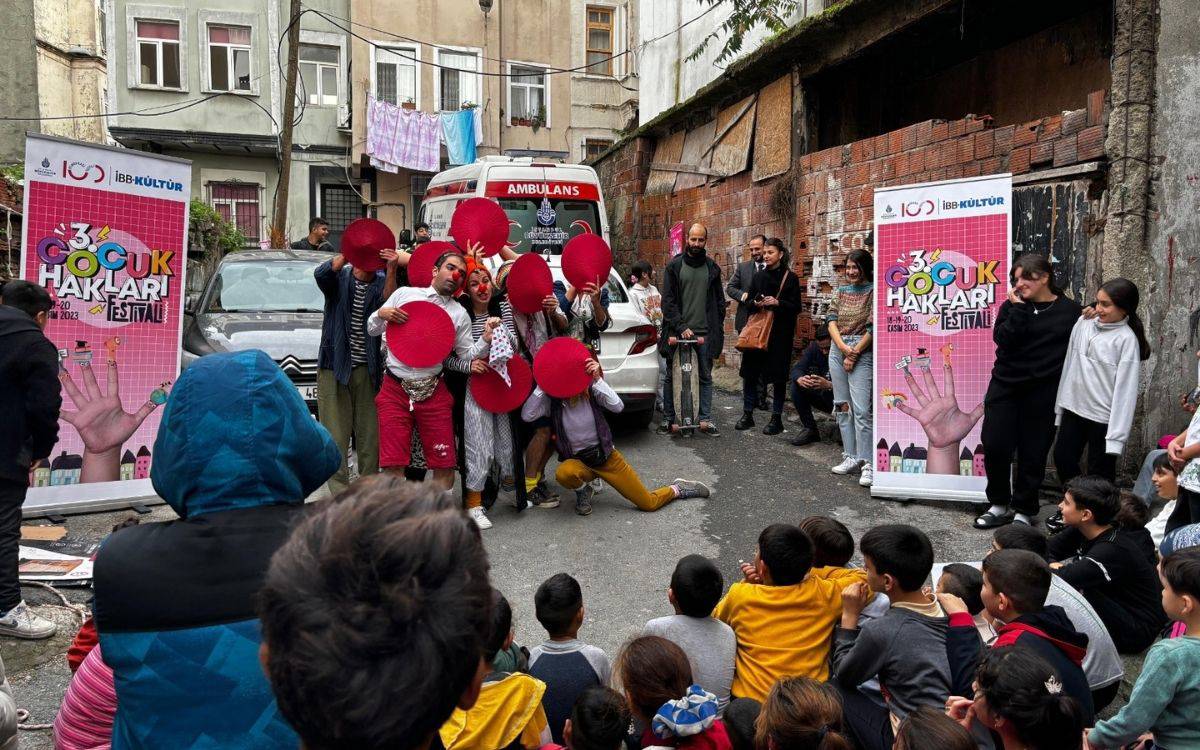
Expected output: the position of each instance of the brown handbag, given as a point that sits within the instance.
(757, 330)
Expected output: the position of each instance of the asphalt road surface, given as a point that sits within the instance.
(622, 557)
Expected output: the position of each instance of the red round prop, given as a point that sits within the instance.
(362, 241)
(586, 259)
(480, 220)
(420, 265)
(529, 282)
(559, 367)
(494, 395)
(425, 338)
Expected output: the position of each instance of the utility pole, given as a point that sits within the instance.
(279, 225)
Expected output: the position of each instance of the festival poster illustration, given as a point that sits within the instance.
(941, 274)
(105, 233)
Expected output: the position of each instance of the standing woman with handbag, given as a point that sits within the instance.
(774, 299)
(851, 317)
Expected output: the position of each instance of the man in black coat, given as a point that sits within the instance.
(30, 397)
(693, 304)
(738, 290)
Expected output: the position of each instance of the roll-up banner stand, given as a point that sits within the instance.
(105, 231)
(942, 254)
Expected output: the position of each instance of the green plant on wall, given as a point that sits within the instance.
(207, 229)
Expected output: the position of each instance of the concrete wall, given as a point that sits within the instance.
(1173, 296)
(670, 77)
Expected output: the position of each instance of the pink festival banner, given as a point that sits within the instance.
(105, 232)
(941, 274)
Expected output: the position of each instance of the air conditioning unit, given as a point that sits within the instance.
(418, 184)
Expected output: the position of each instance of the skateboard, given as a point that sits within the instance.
(685, 384)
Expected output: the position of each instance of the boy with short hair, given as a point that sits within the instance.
(906, 647)
(783, 612)
(710, 644)
(1166, 697)
(1113, 566)
(566, 664)
(965, 582)
(1102, 664)
(1015, 585)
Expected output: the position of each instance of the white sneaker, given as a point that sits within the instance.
(867, 475)
(479, 517)
(847, 466)
(597, 486)
(22, 622)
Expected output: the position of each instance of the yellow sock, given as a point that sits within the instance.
(531, 482)
(474, 499)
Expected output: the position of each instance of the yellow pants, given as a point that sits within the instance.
(573, 474)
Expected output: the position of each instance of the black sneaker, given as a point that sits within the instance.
(806, 437)
(746, 422)
(539, 499)
(710, 429)
(583, 500)
(775, 426)
(664, 428)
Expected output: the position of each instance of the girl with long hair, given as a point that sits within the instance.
(1032, 331)
(851, 318)
(777, 289)
(801, 714)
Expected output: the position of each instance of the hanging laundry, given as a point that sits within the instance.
(461, 135)
(402, 138)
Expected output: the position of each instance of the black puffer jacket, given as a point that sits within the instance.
(714, 306)
(30, 394)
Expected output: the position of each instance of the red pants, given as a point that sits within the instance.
(433, 418)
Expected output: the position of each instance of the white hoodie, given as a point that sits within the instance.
(1100, 378)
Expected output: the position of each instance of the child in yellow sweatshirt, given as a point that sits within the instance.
(783, 614)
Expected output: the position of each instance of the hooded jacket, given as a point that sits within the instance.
(1049, 632)
(30, 394)
(236, 455)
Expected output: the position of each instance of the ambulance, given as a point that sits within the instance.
(547, 204)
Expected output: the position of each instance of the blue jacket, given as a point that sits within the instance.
(338, 289)
(236, 455)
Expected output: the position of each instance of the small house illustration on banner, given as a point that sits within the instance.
(882, 461)
(908, 458)
(978, 467)
(65, 469)
(142, 463)
(895, 460)
(965, 463)
(41, 474)
(128, 465)
(921, 456)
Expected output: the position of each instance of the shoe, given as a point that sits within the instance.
(597, 486)
(664, 428)
(583, 500)
(479, 517)
(775, 426)
(746, 422)
(548, 492)
(508, 484)
(864, 480)
(22, 622)
(805, 437)
(761, 405)
(688, 489)
(847, 466)
(539, 499)
(991, 520)
(1054, 523)
(710, 429)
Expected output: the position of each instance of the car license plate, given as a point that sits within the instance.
(307, 392)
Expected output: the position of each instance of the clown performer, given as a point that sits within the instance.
(571, 391)
(416, 395)
(487, 436)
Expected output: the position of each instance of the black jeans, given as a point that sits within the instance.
(12, 497)
(1017, 419)
(750, 394)
(804, 399)
(1075, 435)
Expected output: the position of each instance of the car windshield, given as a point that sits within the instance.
(543, 225)
(266, 286)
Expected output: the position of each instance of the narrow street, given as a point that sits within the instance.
(622, 558)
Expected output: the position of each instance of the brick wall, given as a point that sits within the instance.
(830, 211)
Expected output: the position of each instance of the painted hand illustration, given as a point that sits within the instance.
(102, 422)
(945, 424)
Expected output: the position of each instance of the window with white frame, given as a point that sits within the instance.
(228, 58)
(319, 74)
(458, 83)
(158, 53)
(396, 75)
(527, 95)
